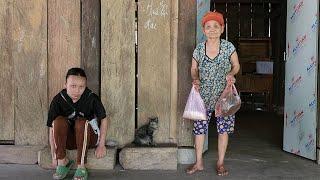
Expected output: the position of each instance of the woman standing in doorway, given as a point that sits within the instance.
(214, 64)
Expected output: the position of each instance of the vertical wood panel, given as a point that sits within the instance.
(154, 69)
(258, 20)
(186, 45)
(221, 7)
(245, 20)
(174, 71)
(118, 68)
(90, 42)
(64, 48)
(278, 40)
(233, 22)
(6, 73)
(30, 71)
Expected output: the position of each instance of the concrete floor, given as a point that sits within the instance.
(255, 152)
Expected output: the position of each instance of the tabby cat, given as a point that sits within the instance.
(144, 135)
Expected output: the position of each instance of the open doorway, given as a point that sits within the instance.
(277, 45)
(258, 31)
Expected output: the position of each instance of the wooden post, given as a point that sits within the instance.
(186, 45)
(118, 68)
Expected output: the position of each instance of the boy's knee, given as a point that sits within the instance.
(60, 122)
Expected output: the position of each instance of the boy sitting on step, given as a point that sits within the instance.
(74, 118)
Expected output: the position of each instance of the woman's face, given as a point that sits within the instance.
(212, 29)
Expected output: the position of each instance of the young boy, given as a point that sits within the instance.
(73, 111)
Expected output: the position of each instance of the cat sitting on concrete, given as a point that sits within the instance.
(144, 135)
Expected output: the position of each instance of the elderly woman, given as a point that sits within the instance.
(214, 64)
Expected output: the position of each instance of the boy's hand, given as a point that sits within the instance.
(101, 151)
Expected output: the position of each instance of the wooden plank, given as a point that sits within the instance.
(245, 20)
(64, 48)
(221, 8)
(186, 45)
(259, 25)
(118, 68)
(233, 22)
(30, 71)
(174, 71)
(278, 41)
(6, 73)
(90, 42)
(154, 65)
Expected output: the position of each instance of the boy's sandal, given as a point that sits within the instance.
(221, 171)
(62, 171)
(81, 174)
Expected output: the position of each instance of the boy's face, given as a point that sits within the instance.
(75, 86)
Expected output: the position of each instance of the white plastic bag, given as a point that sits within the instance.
(195, 108)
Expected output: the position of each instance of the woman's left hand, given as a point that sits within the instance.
(230, 79)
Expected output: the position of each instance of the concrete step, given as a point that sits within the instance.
(12, 154)
(162, 157)
(106, 163)
(186, 155)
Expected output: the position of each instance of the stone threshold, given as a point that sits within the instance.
(105, 163)
(160, 157)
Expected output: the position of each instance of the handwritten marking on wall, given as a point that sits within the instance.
(153, 11)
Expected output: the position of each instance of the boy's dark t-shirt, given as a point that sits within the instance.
(88, 106)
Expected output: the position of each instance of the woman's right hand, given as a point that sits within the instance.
(196, 84)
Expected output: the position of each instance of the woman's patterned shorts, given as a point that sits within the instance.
(224, 124)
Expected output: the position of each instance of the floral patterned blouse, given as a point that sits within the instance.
(213, 72)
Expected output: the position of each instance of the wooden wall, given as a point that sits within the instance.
(29, 54)
(6, 72)
(186, 44)
(118, 68)
(90, 42)
(154, 65)
(41, 40)
(64, 48)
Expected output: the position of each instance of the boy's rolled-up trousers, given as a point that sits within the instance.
(71, 137)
